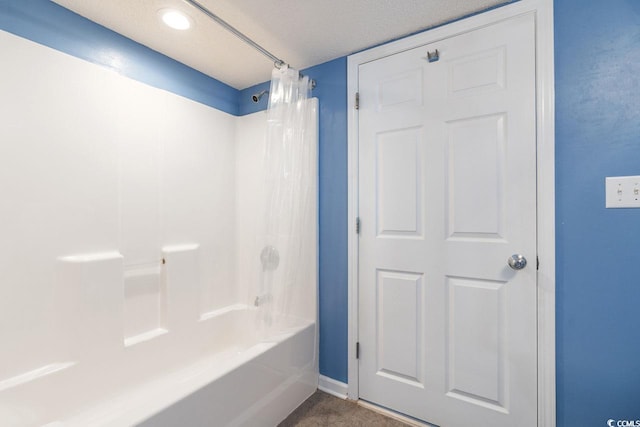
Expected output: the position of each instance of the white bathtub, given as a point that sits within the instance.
(222, 375)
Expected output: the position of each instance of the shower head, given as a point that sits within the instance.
(256, 97)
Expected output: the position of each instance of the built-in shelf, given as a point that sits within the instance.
(146, 336)
(34, 375)
(92, 257)
(219, 312)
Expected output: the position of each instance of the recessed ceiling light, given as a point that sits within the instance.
(175, 19)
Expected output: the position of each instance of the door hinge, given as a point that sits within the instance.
(358, 225)
(357, 105)
(357, 350)
(537, 263)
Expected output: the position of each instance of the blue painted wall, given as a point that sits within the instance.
(51, 25)
(597, 59)
(331, 89)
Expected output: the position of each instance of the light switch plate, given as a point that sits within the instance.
(622, 191)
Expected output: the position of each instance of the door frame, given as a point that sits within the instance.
(545, 153)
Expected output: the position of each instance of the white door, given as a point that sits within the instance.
(447, 192)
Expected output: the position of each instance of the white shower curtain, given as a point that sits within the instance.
(286, 252)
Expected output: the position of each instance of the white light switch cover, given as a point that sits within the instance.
(622, 191)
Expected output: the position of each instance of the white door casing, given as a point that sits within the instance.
(435, 267)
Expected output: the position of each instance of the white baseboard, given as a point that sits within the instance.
(333, 387)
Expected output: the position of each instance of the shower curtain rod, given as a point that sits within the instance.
(277, 62)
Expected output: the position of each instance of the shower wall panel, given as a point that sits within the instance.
(250, 198)
(102, 179)
(252, 185)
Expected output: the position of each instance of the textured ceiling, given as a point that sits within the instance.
(301, 32)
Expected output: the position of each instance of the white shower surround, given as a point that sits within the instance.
(127, 216)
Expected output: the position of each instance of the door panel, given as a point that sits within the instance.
(475, 340)
(447, 192)
(399, 325)
(475, 147)
(399, 90)
(477, 73)
(398, 183)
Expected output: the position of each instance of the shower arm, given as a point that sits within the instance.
(277, 62)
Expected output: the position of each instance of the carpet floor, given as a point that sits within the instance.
(322, 409)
